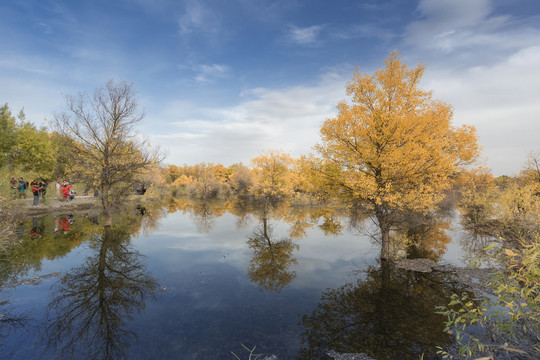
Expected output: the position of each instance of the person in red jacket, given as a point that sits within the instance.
(67, 193)
(35, 190)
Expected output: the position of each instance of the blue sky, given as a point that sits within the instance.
(223, 81)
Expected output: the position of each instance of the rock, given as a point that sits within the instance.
(337, 356)
(420, 265)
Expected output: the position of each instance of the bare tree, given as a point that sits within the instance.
(108, 155)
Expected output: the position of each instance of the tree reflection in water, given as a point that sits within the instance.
(91, 303)
(269, 265)
(389, 315)
(10, 322)
(428, 239)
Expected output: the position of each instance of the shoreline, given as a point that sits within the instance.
(51, 206)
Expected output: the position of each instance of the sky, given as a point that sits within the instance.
(225, 81)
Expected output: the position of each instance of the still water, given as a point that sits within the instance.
(189, 280)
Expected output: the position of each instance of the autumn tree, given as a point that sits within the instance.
(206, 184)
(25, 147)
(271, 175)
(241, 179)
(531, 172)
(393, 148)
(108, 154)
(34, 151)
(476, 191)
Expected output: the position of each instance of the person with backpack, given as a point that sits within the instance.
(36, 188)
(21, 187)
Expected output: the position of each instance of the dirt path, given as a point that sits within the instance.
(54, 205)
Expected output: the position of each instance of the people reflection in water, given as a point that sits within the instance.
(391, 314)
(271, 259)
(37, 230)
(64, 223)
(91, 304)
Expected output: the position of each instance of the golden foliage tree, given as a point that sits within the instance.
(272, 175)
(394, 147)
(241, 179)
(477, 189)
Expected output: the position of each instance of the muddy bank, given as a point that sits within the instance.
(475, 278)
(52, 206)
(56, 206)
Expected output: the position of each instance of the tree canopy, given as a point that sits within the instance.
(108, 155)
(394, 147)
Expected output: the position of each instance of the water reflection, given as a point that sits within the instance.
(91, 304)
(271, 259)
(210, 305)
(203, 212)
(388, 315)
(10, 321)
(427, 238)
(476, 238)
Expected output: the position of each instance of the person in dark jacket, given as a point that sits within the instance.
(43, 185)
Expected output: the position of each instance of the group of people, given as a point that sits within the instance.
(19, 185)
(64, 190)
(38, 188)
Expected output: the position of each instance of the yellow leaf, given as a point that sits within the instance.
(510, 252)
(508, 348)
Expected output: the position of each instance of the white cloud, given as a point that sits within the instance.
(501, 100)
(304, 36)
(450, 24)
(268, 119)
(485, 64)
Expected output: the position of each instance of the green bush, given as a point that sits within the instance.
(510, 317)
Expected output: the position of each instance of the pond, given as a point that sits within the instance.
(188, 280)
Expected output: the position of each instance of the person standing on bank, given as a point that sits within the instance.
(35, 190)
(21, 187)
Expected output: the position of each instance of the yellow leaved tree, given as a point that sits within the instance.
(272, 175)
(393, 148)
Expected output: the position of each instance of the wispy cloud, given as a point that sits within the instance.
(450, 25)
(209, 73)
(25, 64)
(286, 119)
(304, 36)
(500, 100)
(198, 18)
(364, 31)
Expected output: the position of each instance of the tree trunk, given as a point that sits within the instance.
(384, 226)
(106, 204)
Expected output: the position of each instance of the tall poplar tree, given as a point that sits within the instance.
(394, 147)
